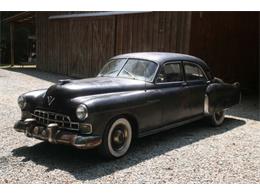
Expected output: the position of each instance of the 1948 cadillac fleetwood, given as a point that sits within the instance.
(134, 95)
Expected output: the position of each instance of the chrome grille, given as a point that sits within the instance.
(63, 121)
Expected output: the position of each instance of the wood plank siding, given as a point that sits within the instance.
(157, 31)
(229, 43)
(80, 46)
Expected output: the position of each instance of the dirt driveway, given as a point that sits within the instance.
(194, 153)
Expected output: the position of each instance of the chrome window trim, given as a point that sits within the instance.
(172, 82)
(197, 65)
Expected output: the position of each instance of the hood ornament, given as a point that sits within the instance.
(50, 99)
(64, 81)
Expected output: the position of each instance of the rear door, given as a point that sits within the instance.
(170, 81)
(196, 83)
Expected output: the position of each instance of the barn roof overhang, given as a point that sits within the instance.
(94, 14)
(23, 17)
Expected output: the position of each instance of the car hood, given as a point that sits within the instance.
(93, 86)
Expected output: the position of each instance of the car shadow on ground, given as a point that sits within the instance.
(86, 165)
(32, 71)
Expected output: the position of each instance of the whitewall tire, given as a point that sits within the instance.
(217, 118)
(117, 139)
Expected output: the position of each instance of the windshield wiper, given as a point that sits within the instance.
(129, 73)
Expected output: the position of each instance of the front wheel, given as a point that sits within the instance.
(117, 139)
(217, 118)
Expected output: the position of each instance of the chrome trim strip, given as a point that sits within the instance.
(171, 62)
(197, 65)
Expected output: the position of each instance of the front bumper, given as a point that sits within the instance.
(53, 134)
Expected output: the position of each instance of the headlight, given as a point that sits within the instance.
(21, 102)
(82, 112)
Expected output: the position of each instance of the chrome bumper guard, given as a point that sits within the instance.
(53, 134)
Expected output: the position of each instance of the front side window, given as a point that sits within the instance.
(170, 73)
(130, 68)
(193, 72)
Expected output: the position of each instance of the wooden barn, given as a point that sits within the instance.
(79, 43)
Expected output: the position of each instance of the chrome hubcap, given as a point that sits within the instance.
(118, 137)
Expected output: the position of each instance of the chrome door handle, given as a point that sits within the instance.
(184, 84)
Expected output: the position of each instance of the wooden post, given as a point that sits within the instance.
(12, 42)
(1, 37)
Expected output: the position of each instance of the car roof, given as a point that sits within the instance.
(162, 57)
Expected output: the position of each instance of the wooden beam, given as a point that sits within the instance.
(95, 14)
(12, 42)
(16, 17)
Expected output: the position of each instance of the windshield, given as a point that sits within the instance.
(131, 68)
(112, 68)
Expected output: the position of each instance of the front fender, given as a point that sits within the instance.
(104, 107)
(34, 98)
(112, 101)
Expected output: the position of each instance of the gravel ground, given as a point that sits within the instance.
(194, 153)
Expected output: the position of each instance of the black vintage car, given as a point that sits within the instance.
(134, 95)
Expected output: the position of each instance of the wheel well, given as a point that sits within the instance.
(132, 121)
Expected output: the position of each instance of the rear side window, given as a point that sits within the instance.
(170, 73)
(193, 72)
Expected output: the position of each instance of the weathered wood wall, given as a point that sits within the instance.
(157, 31)
(76, 47)
(229, 43)
(80, 46)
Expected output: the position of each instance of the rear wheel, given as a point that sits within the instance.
(217, 118)
(117, 139)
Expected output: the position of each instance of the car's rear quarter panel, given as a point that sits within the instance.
(223, 95)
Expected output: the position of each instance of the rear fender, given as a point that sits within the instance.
(220, 96)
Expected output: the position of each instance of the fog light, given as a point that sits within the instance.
(85, 128)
